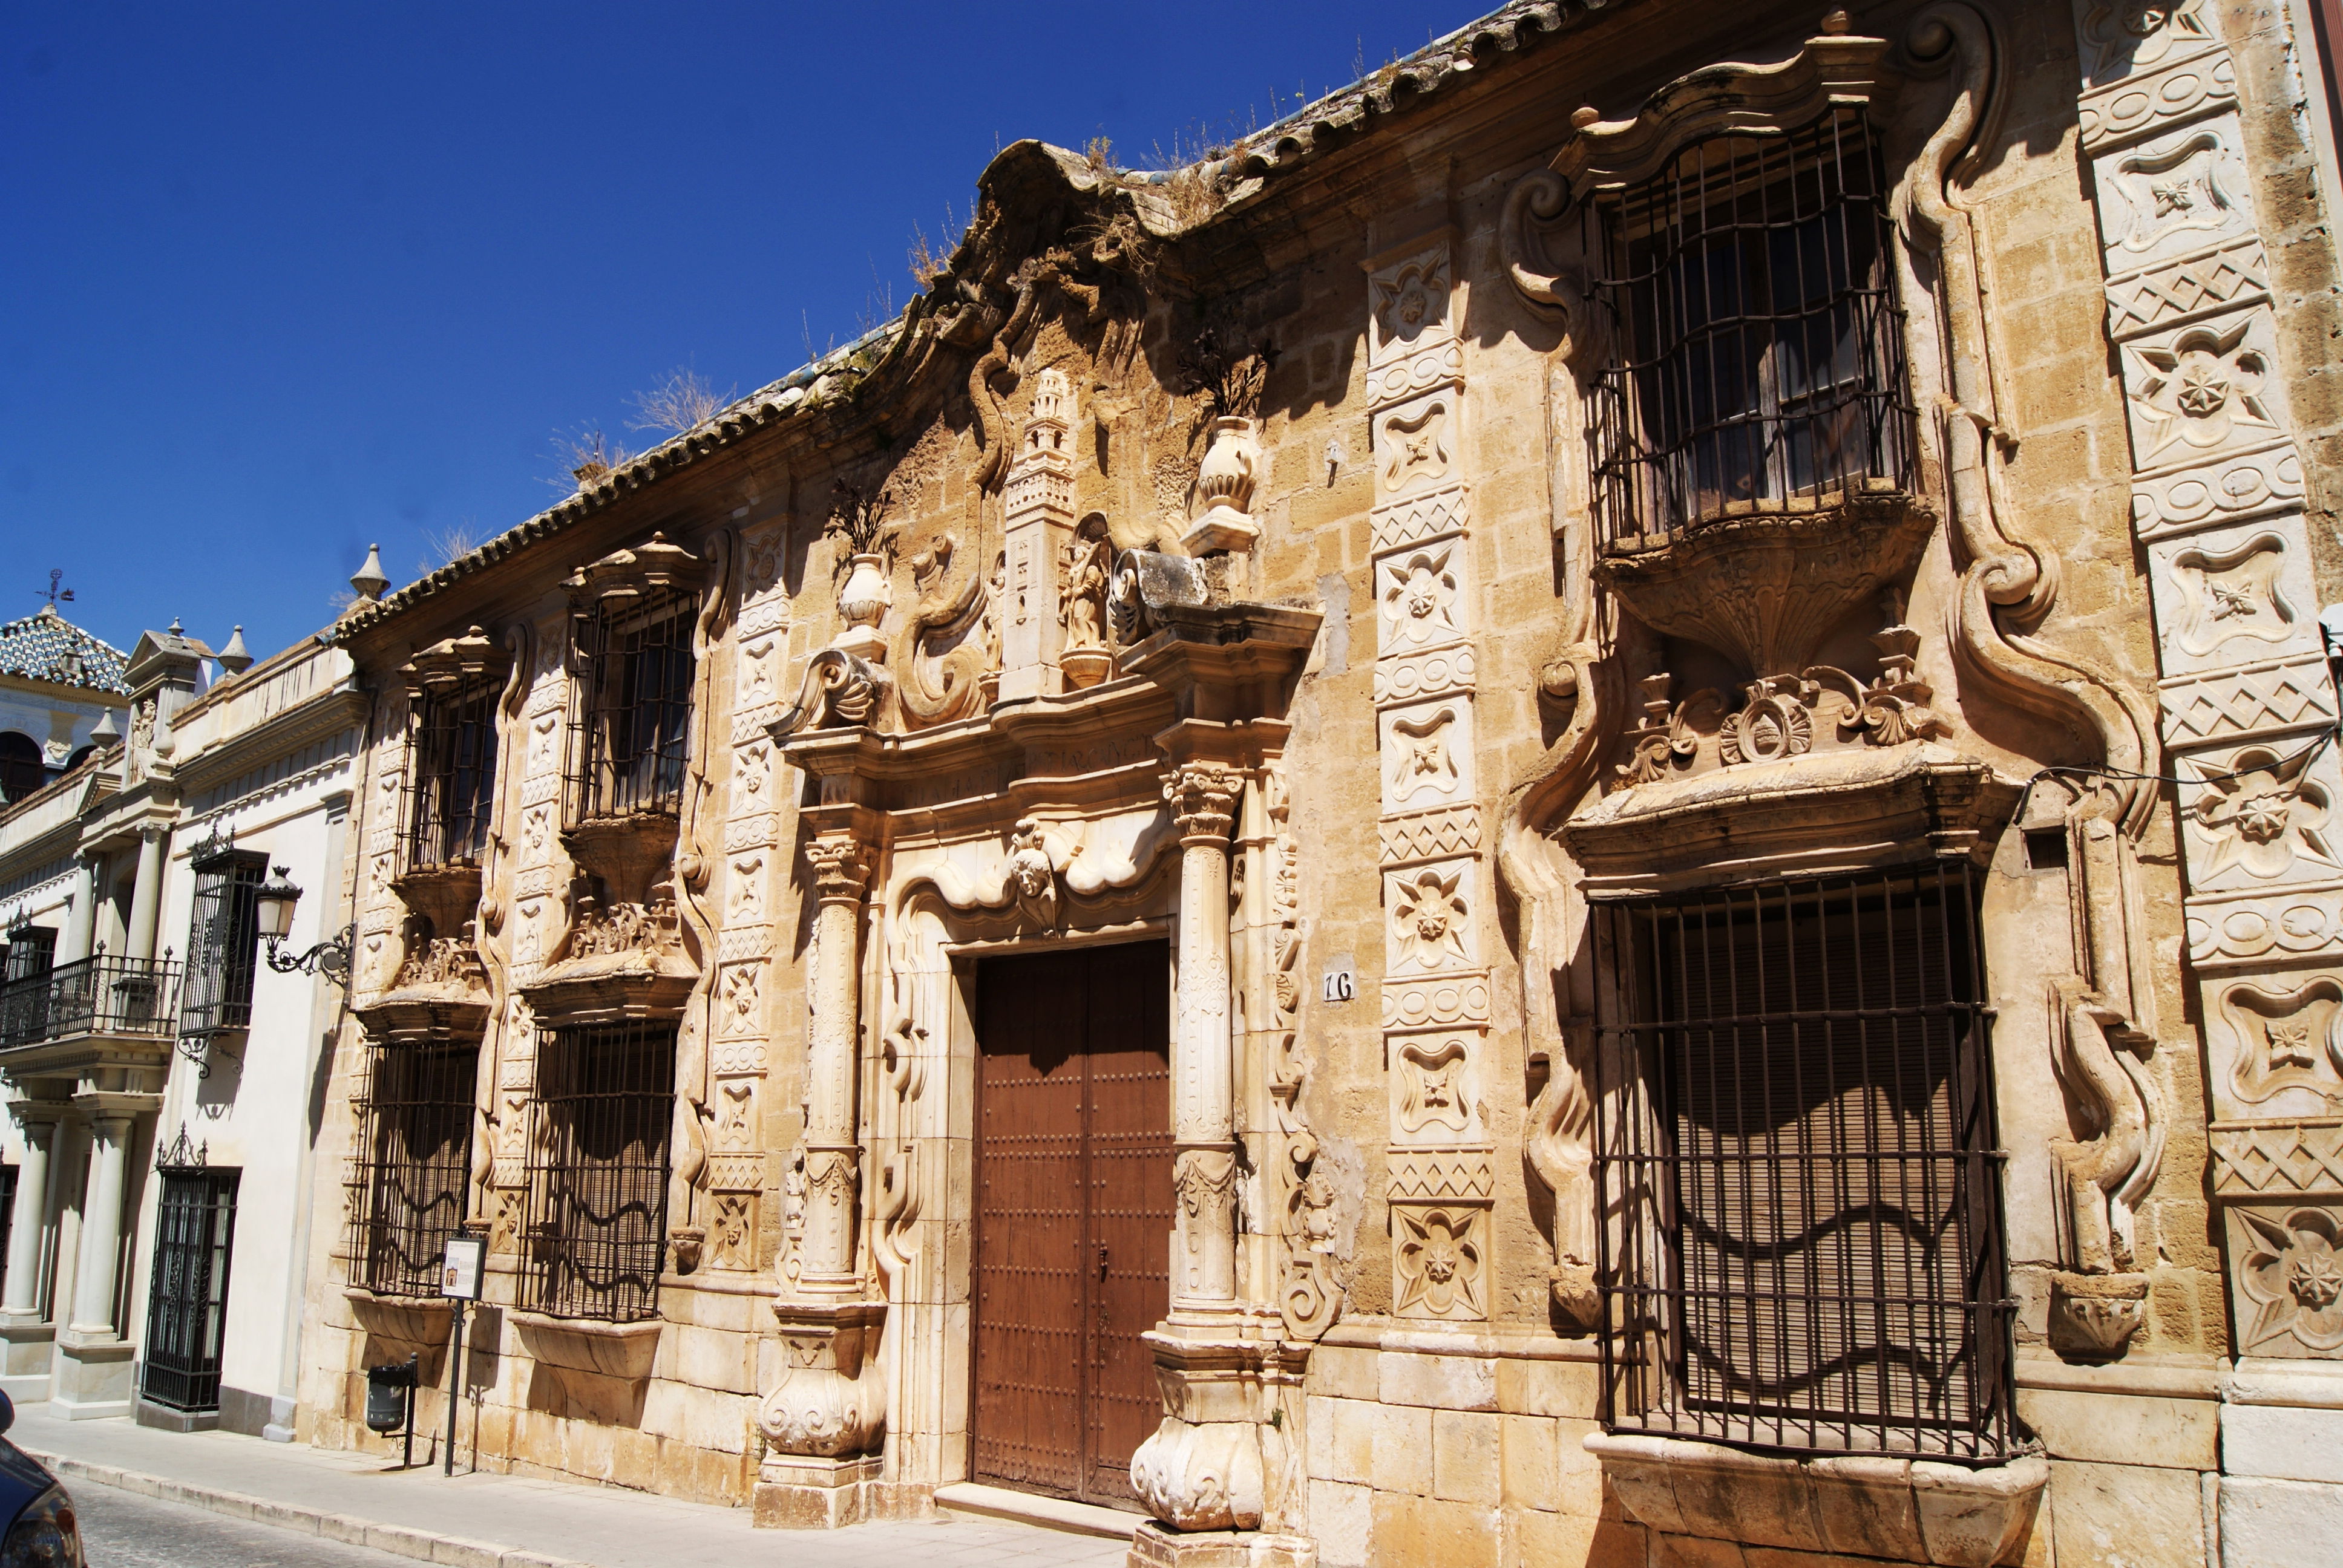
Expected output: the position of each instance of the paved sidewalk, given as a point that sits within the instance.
(487, 1521)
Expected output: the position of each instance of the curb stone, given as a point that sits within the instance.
(395, 1539)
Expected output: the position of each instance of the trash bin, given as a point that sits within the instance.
(389, 1389)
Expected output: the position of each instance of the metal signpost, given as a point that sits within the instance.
(460, 1281)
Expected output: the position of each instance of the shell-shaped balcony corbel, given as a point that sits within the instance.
(1767, 583)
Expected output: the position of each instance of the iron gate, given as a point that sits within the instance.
(186, 1304)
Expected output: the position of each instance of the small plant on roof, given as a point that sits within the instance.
(858, 522)
(930, 263)
(680, 403)
(589, 456)
(1227, 370)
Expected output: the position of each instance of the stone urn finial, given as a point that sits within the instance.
(1225, 481)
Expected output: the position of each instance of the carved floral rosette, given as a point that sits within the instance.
(1431, 849)
(2248, 704)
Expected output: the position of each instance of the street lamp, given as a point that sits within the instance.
(272, 903)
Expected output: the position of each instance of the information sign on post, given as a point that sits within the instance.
(459, 1277)
(459, 1280)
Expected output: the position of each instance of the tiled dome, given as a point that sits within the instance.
(47, 647)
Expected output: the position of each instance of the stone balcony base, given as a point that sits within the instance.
(1895, 1510)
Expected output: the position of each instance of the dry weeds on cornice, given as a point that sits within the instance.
(1392, 89)
(808, 386)
(1338, 117)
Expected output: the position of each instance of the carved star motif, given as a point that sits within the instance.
(2262, 820)
(2292, 1275)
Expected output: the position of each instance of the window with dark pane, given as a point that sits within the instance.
(415, 1106)
(452, 784)
(187, 1298)
(32, 953)
(628, 748)
(1755, 345)
(598, 1170)
(23, 771)
(223, 944)
(1795, 1148)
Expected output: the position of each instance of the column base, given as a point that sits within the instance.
(799, 1492)
(28, 1357)
(1152, 1545)
(94, 1376)
(163, 1417)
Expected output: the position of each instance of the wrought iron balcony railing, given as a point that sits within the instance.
(101, 995)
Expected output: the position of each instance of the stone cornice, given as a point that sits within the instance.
(280, 734)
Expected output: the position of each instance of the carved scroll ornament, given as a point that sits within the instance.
(2108, 1173)
(940, 653)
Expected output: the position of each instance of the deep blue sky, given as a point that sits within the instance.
(281, 280)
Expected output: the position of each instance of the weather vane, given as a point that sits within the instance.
(54, 593)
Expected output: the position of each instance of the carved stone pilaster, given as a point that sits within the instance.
(1202, 1468)
(833, 1156)
(1203, 797)
(823, 1421)
(2218, 507)
(1038, 530)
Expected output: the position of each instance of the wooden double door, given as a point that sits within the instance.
(1073, 1216)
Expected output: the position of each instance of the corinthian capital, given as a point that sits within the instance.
(840, 866)
(1203, 797)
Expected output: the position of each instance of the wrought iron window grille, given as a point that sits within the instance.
(450, 786)
(410, 1167)
(1797, 1161)
(187, 1301)
(598, 1170)
(629, 729)
(223, 944)
(1757, 359)
(183, 1154)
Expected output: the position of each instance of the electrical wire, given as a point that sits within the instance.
(2304, 756)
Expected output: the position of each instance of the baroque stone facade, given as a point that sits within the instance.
(1798, 543)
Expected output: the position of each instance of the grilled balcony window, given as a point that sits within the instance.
(223, 944)
(1756, 357)
(98, 995)
(598, 1170)
(414, 1107)
(1795, 1152)
(627, 745)
(452, 785)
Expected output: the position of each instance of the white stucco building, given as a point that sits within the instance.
(160, 1070)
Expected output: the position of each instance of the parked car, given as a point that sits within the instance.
(41, 1529)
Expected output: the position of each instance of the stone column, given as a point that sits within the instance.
(833, 1157)
(1202, 1473)
(28, 1226)
(81, 930)
(823, 1419)
(94, 1362)
(101, 1226)
(27, 1336)
(1203, 797)
(146, 895)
